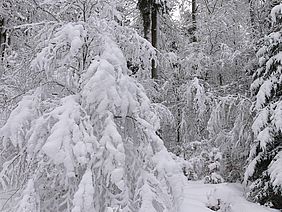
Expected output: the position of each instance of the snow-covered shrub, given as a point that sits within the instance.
(222, 152)
(213, 160)
(230, 130)
(28, 201)
(213, 202)
(203, 161)
(216, 202)
(204, 120)
(192, 111)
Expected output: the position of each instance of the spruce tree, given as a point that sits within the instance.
(264, 170)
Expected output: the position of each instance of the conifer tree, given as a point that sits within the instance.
(264, 170)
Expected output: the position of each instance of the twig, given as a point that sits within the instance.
(120, 117)
(44, 10)
(2, 209)
(61, 85)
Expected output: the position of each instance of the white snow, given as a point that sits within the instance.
(265, 137)
(197, 196)
(275, 170)
(20, 119)
(277, 116)
(260, 121)
(276, 11)
(264, 92)
(83, 198)
(28, 201)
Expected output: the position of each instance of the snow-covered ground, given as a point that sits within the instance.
(198, 197)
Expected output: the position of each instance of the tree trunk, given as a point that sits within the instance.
(2, 37)
(145, 10)
(252, 17)
(149, 14)
(154, 34)
(194, 21)
(179, 116)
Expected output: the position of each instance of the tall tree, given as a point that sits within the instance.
(150, 11)
(264, 170)
(84, 138)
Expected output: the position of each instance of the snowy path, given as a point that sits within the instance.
(198, 195)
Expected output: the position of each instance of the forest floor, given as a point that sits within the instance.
(200, 197)
(224, 197)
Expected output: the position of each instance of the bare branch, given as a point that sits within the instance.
(44, 10)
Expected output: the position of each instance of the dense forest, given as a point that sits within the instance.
(125, 105)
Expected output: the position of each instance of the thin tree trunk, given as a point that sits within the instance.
(2, 37)
(178, 130)
(149, 14)
(194, 21)
(252, 17)
(154, 34)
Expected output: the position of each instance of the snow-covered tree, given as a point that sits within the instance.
(229, 129)
(223, 149)
(85, 138)
(264, 170)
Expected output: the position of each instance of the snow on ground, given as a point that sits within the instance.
(230, 197)
(197, 196)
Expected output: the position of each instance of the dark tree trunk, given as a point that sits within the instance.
(2, 37)
(145, 10)
(149, 14)
(252, 17)
(179, 115)
(194, 21)
(154, 34)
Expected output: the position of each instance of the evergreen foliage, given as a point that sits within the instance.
(264, 170)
